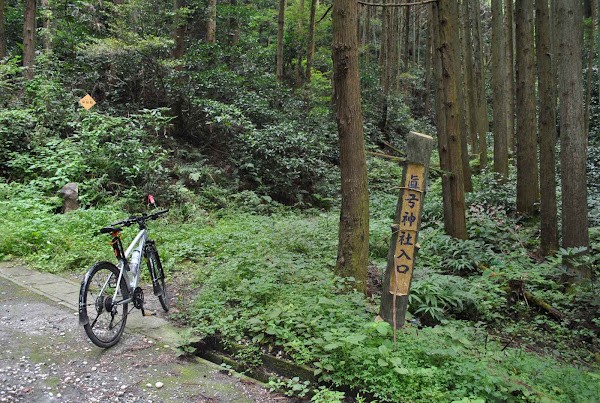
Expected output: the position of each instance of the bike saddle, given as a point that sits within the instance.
(108, 230)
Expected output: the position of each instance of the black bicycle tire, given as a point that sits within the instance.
(83, 304)
(157, 272)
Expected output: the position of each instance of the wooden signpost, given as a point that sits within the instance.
(405, 230)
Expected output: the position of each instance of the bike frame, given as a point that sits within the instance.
(137, 245)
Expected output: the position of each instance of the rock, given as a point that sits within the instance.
(70, 194)
(158, 385)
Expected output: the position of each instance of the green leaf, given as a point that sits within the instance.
(382, 362)
(331, 346)
(401, 371)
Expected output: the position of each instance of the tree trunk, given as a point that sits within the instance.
(46, 25)
(366, 31)
(29, 28)
(280, 27)
(462, 114)
(471, 99)
(211, 22)
(527, 171)
(500, 101)
(588, 94)
(406, 44)
(234, 24)
(446, 25)
(547, 125)
(573, 138)
(418, 40)
(398, 79)
(310, 51)
(353, 247)
(2, 32)
(179, 31)
(383, 43)
(482, 123)
(509, 65)
(428, 62)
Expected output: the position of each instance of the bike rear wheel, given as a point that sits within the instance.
(158, 277)
(102, 320)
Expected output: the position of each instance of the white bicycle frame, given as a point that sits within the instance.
(134, 266)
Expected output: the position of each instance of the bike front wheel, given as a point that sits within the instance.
(158, 277)
(103, 320)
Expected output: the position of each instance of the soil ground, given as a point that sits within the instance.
(46, 357)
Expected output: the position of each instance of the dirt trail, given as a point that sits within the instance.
(46, 357)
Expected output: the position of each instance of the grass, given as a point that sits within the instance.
(266, 281)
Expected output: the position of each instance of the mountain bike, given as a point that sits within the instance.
(107, 289)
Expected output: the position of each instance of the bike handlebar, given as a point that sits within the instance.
(141, 219)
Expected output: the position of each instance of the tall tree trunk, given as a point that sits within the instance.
(406, 44)
(311, 40)
(234, 24)
(46, 24)
(383, 45)
(471, 99)
(573, 138)
(366, 30)
(211, 22)
(547, 126)
(588, 94)
(179, 31)
(428, 61)
(500, 101)
(463, 121)
(527, 171)
(29, 28)
(510, 74)
(482, 123)
(2, 32)
(280, 27)
(353, 247)
(450, 147)
(398, 79)
(418, 35)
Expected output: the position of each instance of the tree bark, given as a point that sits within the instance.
(573, 138)
(2, 31)
(406, 44)
(353, 246)
(510, 74)
(280, 28)
(449, 137)
(29, 28)
(179, 31)
(588, 94)
(211, 21)
(428, 62)
(463, 123)
(471, 99)
(310, 51)
(234, 24)
(500, 101)
(46, 25)
(482, 123)
(547, 126)
(527, 171)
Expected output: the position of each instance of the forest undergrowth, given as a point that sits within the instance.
(252, 181)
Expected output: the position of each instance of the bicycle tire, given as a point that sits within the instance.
(158, 277)
(98, 287)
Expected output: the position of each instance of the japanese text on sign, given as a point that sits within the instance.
(408, 226)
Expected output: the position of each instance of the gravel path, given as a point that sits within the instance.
(46, 357)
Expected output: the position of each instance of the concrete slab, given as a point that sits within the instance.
(17, 271)
(59, 290)
(41, 278)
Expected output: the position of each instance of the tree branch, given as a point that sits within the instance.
(325, 15)
(418, 3)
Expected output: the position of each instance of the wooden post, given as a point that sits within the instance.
(407, 222)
